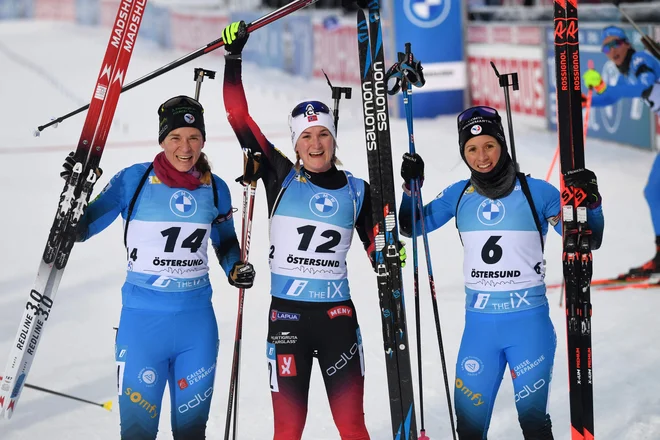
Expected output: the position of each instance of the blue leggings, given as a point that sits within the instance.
(524, 340)
(652, 194)
(156, 347)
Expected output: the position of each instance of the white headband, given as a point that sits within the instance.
(310, 119)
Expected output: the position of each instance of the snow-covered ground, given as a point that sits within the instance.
(48, 69)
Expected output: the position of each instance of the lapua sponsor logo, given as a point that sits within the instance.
(340, 311)
(196, 400)
(276, 315)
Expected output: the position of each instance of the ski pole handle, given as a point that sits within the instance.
(199, 78)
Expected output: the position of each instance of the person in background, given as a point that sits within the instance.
(639, 78)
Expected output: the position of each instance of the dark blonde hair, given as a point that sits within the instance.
(204, 167)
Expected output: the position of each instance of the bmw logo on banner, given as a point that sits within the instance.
(427, 13)
(434, 28)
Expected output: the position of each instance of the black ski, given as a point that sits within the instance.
(576, 257)
(386, 236)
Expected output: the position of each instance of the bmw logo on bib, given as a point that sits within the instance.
(491, 212)
(427, 13)
(324, 205)
(183, 204)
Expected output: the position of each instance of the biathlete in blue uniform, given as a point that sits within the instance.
(168, 331)
(639, 78)
(502, 218)
(314, 209)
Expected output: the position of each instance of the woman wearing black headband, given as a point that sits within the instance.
(168, 332)
(502, 218)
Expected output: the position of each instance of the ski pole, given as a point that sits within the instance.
(337, 93)
(105, 405)
(505, 84)
(210, 47)
(417, 206)
(249, 181)
(648, 42)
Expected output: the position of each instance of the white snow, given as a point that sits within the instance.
(48, 69)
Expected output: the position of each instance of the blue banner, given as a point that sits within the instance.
(629, 121)
(10, 9)
(156, 25)
(88, 12)
(435, 30)
(298, 45)
(265, 45)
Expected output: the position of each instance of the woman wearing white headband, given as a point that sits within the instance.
(313, 209)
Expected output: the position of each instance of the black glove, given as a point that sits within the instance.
(412, 167)
(584, 100)
(69, 163)
(402, 255)
(235, 35)
(586, 180)
(242, 275)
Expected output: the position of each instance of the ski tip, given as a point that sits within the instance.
(36, 133)
(423, 435)
(107, 405)
(9, 410)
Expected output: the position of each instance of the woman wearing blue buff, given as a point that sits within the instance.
(502, 218)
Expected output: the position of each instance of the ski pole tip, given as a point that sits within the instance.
(108, 405)
(36, 133)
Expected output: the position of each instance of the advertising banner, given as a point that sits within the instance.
(628, 121)
(55, 9)
(336, 51)
(435, 30)
(191, 30)
(512, 49)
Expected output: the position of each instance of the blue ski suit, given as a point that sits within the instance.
(507, 318)
(167, 331)
(639, 78)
